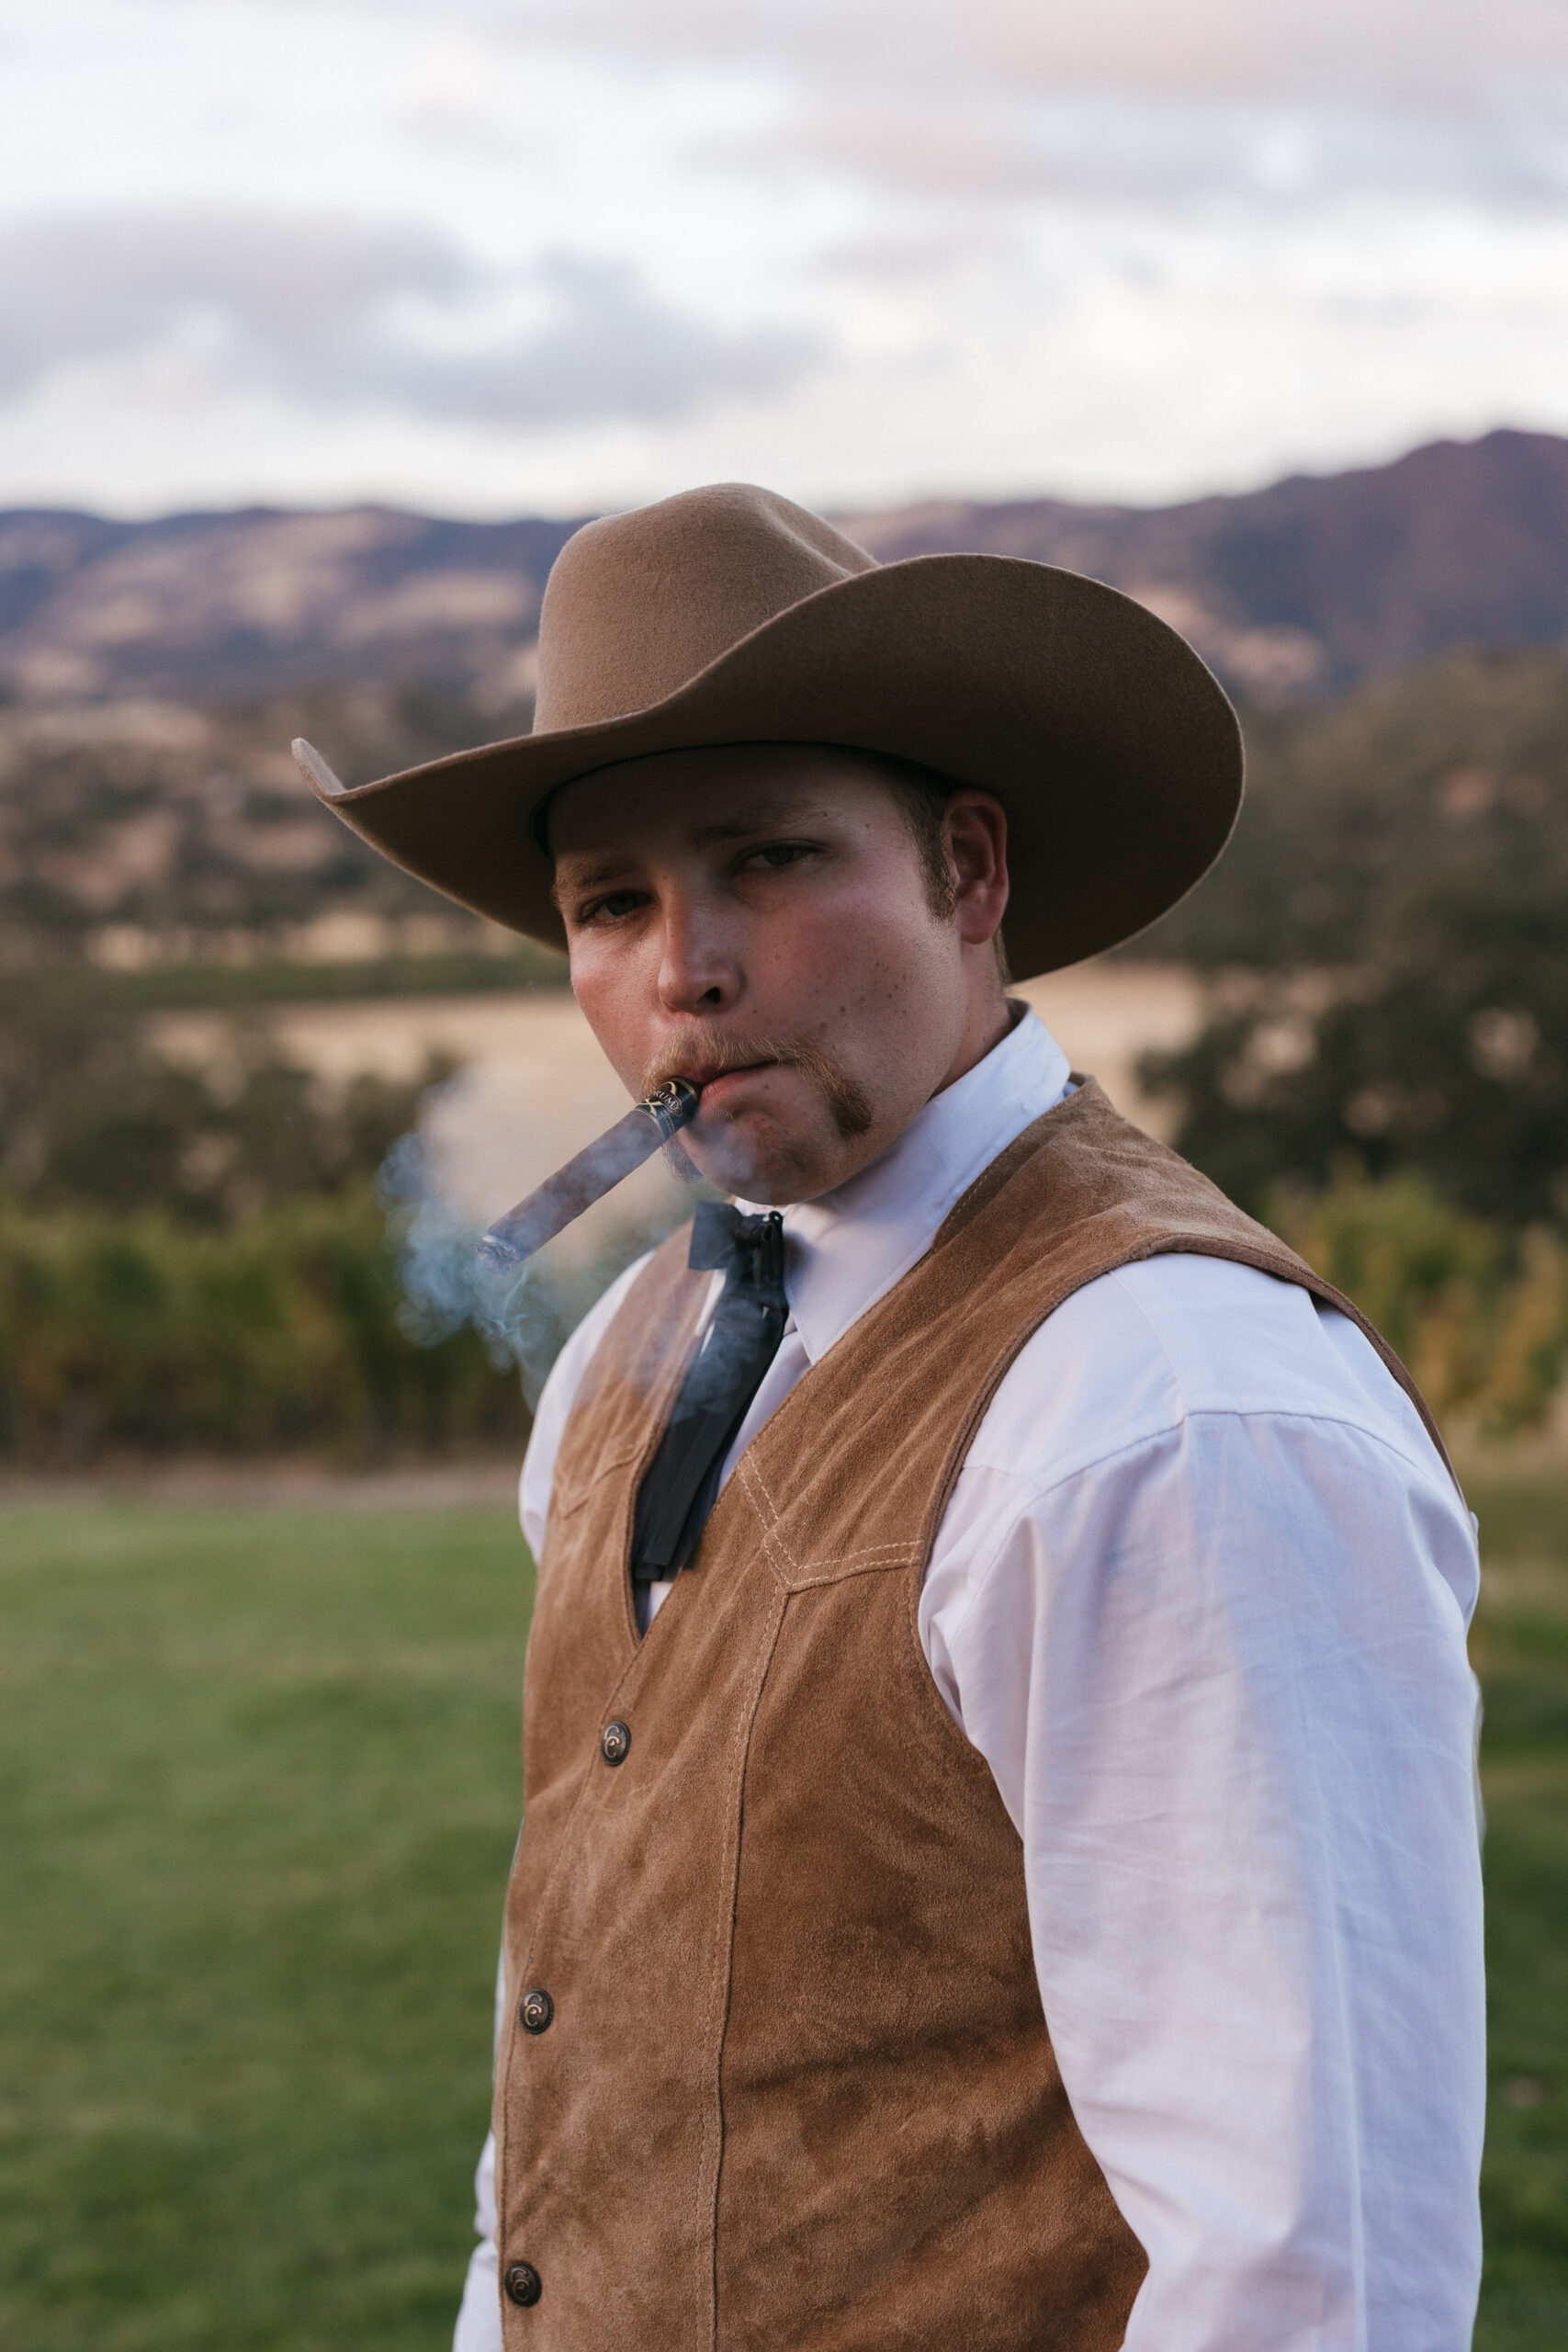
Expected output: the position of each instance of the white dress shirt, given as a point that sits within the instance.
(1199, 1599)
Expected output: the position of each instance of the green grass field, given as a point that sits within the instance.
(1520, 1648)
(260, 1789)
(261, 1784)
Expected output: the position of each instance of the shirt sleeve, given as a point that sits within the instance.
(1221, 1680)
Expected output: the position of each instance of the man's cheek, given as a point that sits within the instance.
(628, 1051)
(790, 964)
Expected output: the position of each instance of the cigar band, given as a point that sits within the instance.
(671, 1105)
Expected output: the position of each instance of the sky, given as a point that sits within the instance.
(492, 257)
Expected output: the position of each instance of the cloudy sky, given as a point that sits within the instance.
(493, 256)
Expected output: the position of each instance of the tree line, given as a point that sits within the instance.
(197, 1255)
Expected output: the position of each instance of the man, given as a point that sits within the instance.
(999, 1866)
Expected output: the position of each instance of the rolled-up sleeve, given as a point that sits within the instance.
(1221, 1680)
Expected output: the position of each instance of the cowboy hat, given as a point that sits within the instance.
(729, 615)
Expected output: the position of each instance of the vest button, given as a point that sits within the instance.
(536, 2009)
(523, 2284)
(615, 1743)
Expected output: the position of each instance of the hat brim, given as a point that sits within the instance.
(1111, 747)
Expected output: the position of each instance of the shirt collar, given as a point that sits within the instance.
(842, 1251)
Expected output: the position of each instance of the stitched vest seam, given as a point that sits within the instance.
(507, 2173)
(566, 1845)
(717, 2012)
(908, 1557)
(936, 1721)
(633, 1456)
(877, 1557)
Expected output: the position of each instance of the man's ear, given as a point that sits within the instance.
(975, 833)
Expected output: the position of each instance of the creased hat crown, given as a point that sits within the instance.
(638, 604)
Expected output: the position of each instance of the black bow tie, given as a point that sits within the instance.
(741, 1343)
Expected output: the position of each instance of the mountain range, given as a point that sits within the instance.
(1296, 592)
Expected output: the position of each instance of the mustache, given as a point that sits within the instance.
(709, 1052)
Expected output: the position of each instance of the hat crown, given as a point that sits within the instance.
(637, 604)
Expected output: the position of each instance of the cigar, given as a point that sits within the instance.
(586, 1179)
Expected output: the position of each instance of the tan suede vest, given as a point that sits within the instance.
(797, 2090)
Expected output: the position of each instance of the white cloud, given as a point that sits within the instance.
(88, 286)
(1448, 53)
(1011, 146)
(333, 311)
(495, 253)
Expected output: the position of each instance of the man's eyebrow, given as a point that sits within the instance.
(771, 816)
(786, 809)
(588, 878)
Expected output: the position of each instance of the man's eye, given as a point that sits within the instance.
(777, 853)
(614, 903)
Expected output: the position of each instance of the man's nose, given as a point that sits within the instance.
(698, 971)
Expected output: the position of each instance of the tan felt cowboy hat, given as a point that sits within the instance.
(729, 616)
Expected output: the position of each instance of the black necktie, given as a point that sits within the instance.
(738, 1345)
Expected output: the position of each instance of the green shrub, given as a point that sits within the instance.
(1478, 1312)
(291, 1332)
(147, 1333)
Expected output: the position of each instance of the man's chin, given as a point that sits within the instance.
(760, 1157)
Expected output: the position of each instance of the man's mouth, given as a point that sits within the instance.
(717, 1084)
(723, 1069)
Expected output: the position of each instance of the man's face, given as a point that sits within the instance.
(758, 918)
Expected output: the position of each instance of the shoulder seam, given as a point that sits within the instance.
(1432, 1473)
(1278, 1413)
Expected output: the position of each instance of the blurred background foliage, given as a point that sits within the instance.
(1383, 1073)
(279, 1332)
(1477, 1309)
(1388, 942)
(96, 1116)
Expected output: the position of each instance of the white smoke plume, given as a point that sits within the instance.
(523, 1313)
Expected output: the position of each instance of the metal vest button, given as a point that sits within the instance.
(615, 1743)
(535, 2010)
(523, 2284)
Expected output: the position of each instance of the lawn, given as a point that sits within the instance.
(261, 1785)
(1520, 1647)
(260, 1789)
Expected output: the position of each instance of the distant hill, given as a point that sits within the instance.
(1294, 592)
(1323, 582)
(226, 608)
(1401, 635)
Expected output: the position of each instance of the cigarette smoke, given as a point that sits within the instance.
(444, 1285)
(522, 1314)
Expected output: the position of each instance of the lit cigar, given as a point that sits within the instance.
(590, 1176)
